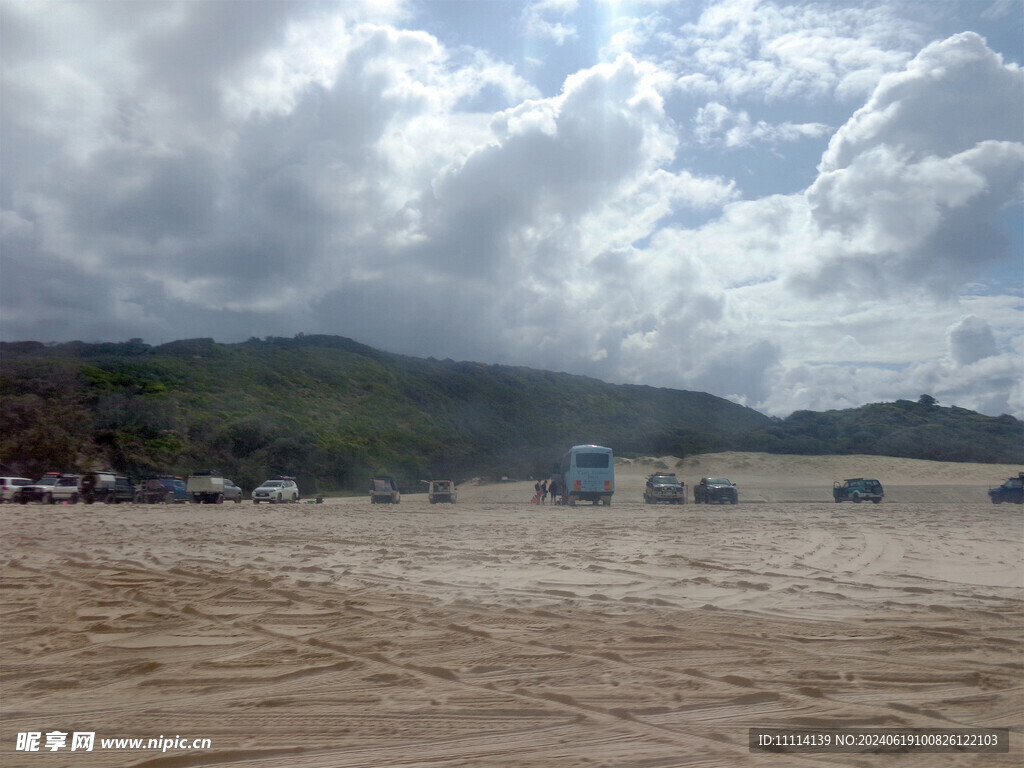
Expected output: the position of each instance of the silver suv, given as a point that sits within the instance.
(49, 489)
(277, 491)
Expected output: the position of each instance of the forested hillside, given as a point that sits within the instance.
(331, 412)
(327, 410)
(915, 430)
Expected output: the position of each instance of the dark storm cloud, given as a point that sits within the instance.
(150, 199)
(971, 340)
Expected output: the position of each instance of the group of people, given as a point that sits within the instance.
(543, 488)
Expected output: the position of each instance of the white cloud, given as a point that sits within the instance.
(717, 124)
(742, 48)
(953, 95)
(334, 172)
(537, 19)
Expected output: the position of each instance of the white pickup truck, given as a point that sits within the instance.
(206, 486)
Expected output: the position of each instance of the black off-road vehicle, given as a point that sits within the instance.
(858, 489)
(106, 486)
(715, 490)
(1012, 491)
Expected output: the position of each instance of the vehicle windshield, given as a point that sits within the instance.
(47, 481)
(664, 480)
(272, 484)
(718, 481)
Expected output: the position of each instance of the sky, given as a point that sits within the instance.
(794, 205)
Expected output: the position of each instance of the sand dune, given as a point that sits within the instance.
(499, 633)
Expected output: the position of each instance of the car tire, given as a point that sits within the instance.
(855, 497)
(48, 498)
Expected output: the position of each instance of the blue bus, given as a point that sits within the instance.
(587, 473)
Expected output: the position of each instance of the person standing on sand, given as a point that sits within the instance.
(553, 490)
(543, 491)
(536, 494)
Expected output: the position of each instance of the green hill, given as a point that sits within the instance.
(331, 412)
(913, 430)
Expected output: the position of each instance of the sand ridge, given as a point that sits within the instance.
(499, 633)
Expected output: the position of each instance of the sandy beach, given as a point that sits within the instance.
(495, 632)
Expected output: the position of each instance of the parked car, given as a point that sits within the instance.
(106, 486)
(858, 489)
(441, 492)
(124, 491)
(8, 485)
(151, 492)
(177, 490)
(206, 486)
(162, 490)
(664, 487)
(232, 492)
(278, 491)
(384, 490)
(715, 490)
(1011, 491)
(49, 489)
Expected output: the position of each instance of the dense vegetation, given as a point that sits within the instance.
(328, 411)
(914, 430)
(332, 412)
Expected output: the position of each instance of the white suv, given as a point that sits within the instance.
(8, 485)
(276, 491)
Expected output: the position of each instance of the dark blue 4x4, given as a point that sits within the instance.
(858, 489)
(164, 490)
(1012, 491)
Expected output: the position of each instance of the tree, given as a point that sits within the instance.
(927, 401)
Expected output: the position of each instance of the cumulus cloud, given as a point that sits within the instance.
(716, 123)
(335, 171)
(783, 51)
(912, 187)
(954, 95)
